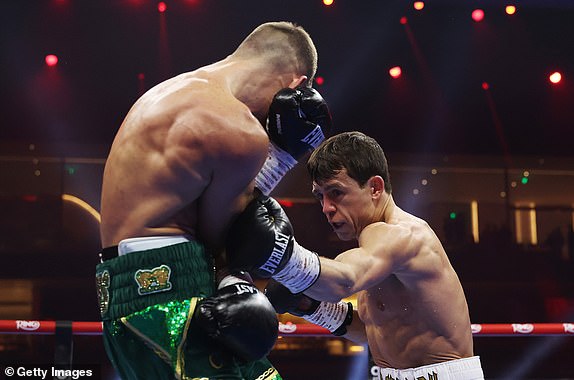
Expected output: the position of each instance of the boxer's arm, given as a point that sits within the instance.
(230, 188)
(356, 330)
(261, 241)
(383, 249)
(334, 316)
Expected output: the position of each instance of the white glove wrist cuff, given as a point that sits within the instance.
(278, 163)
(301, 271)
(329, 315)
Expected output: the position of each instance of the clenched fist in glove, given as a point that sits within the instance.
(240, 317)
(261, 242)
(297, 123)
(335, 317)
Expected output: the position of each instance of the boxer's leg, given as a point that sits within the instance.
(260, 370)
(130, 357)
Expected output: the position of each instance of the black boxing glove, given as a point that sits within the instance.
(297, 123)
(298, 120)
(335, 317)
(239, 317)
(260, 241)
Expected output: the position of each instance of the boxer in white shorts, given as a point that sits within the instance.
(411, 307)
(459, 369)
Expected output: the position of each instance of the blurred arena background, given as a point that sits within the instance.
(477, 125)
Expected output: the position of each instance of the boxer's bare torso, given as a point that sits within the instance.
(183, 161)
(417, 315)
(410, 301)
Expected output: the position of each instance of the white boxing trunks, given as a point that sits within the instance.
(459, 369)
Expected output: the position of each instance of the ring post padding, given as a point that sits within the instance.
(64, 345)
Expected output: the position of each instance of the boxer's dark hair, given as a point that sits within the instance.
(359, 154)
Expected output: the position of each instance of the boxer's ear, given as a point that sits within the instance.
(377, 185)
(298, 81)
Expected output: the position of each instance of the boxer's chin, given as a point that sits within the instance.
(345, 235)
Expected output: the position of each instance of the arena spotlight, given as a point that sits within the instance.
(51, 60)
(319, 80)
(328, 2)
(555, 77)
(477, 15)
(395, 72)
(403, 20)
(419, 5)
(485, 86)
(510, 9)
(161, 7)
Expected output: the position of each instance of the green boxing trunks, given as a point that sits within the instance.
(147, 300)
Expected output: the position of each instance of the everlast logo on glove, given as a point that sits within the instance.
(281, 243)
(245, 288)
(315, 137)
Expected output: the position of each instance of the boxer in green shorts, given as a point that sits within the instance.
(147, 300)
(190, 155)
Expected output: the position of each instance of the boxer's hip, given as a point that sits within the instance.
(459, 369)
(151, 271)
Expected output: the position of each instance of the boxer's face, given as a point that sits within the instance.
(348, 207)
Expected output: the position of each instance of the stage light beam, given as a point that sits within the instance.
(419, 5)
(161, 7)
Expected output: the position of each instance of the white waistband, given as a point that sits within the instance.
(459, 369)
(149, 242)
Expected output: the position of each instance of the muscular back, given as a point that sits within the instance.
(418, 314)
(182, 162)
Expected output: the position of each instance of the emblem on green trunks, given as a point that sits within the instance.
(154, 280)
(102, 286)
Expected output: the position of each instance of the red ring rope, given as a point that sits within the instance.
(290, 329)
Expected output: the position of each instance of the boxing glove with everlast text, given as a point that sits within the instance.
(260, 241)
(239, 317)
(297, 123)
(335, 317)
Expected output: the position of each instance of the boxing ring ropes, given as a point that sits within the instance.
(65, 330)
(29, 327)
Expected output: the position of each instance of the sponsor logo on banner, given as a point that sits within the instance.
(27, 325)
(525, 328)
(287, 328)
